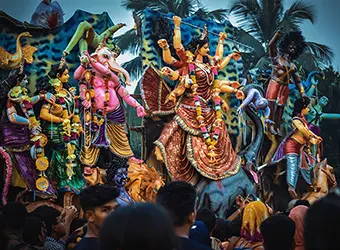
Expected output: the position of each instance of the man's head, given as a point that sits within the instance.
(14, 215)
(34, 231)
(97, 202)
(322, 223)
(208, 218)
(278, 233)
(53, 219)
(179, 199)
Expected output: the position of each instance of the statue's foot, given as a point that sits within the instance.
(158, 154)
(292, 193)
(278, 132)
(272, 130)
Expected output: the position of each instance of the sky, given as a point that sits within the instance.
(324, 31)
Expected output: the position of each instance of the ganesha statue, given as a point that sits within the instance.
(102, 92)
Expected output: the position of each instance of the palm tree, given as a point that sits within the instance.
(258, 21)
(131, 40)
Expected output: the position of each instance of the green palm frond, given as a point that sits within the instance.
(134, 67)
(321, 52)
(246, 14)
(129, 42)
(269, 17)
(296, 14)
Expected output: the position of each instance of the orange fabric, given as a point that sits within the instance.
(277, 92)
(298, 215)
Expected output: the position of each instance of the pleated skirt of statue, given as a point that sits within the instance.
(186, 155)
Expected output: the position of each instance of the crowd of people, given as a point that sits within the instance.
(172, 223)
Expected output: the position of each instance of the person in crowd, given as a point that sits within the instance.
(298, 214)
(179, 199)
(222, 232)
(209, 219)
(141, 226)
(322, 223)
(14, 216)
(253, 215)
(97, 203)
(200, 233)
(278, 232)
(302, 203)
(34, 232)
(57, 225)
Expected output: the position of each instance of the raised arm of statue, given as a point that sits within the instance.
(220, 45)
(177, 33)
(272, 46)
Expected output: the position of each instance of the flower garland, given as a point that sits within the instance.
(210, 140)
(39, 139)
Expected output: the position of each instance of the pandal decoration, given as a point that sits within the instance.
(38, 139)
(71, 129)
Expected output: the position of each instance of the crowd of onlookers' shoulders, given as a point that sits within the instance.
(171, 224)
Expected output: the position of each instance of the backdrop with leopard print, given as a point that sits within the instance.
(151, 54)
(49, 42)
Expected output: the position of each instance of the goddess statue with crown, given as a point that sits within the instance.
(196, 143)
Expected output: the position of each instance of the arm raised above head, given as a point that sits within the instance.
(272, 46)
(177, 33)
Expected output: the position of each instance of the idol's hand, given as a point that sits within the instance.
(225, 107)
(141, 111)
(222, 36)
(170, 97)
(49, 97)
(239, 95)
(177, 21)
(163, 43)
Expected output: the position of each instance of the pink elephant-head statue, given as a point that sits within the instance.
(107, 57)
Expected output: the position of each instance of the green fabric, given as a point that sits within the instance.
(57, 170)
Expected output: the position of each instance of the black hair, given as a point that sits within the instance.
(96, 196)
(141, 226)
(222, 230)
(162, 29)
(10, 82)
(278, 232)
(322, 223)
(49, 215)
(208, 217)
(115, 164)
(299, 105)
(302, 203)
(298, 39)
(14, 215)
(179, 199)
(196, 44)
(32, 230)
(44, 83)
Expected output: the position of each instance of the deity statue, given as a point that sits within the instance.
(62, 125)
(295, 148)
(21, 139)
(196, 143)
(290, 48)
(117, 175)
(101, 92)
